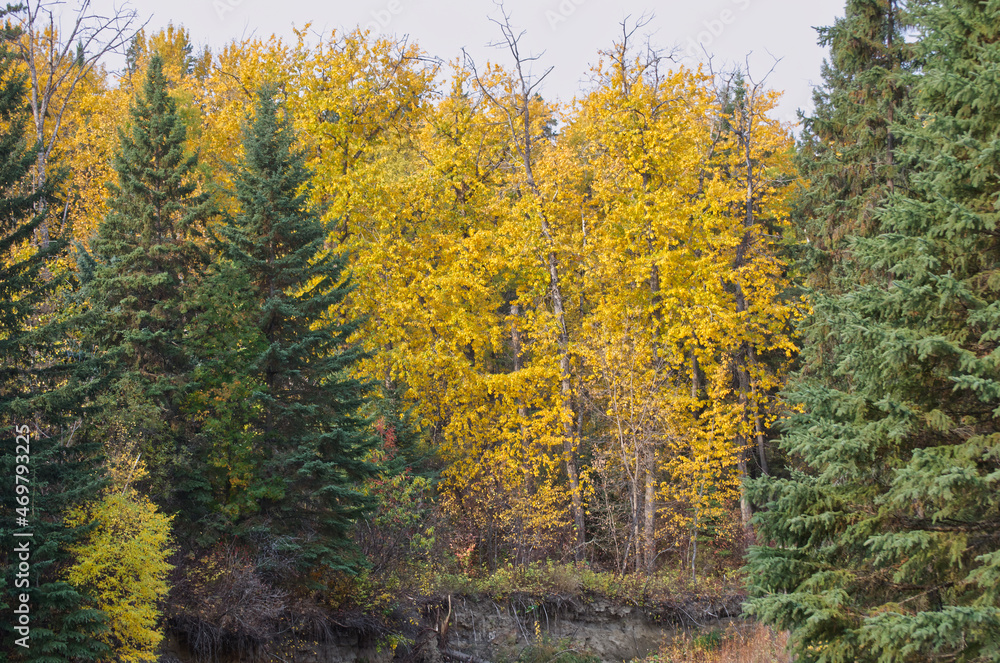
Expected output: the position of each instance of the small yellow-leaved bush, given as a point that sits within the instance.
(122, 566)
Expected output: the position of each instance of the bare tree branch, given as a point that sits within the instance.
(55, 69)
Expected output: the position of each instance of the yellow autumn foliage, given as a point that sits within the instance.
(122, 566)
(583, 304)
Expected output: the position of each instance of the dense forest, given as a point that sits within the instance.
(300, 329)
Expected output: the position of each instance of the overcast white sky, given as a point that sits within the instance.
(569, 32)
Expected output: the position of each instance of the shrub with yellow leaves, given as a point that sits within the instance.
(123, 567)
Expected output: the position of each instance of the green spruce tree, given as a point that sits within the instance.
(847, 149)
(307, 407)
(43, 394)
(224, 339)
(884, 541)
(147, 261)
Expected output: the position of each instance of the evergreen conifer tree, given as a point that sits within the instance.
(42, 399)
(224, 340)
(147, 263)
(886, 538)
(847, 148)
(312, 435)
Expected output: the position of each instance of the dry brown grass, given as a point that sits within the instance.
(741, 642)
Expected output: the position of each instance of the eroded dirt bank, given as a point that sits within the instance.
(477, 629)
